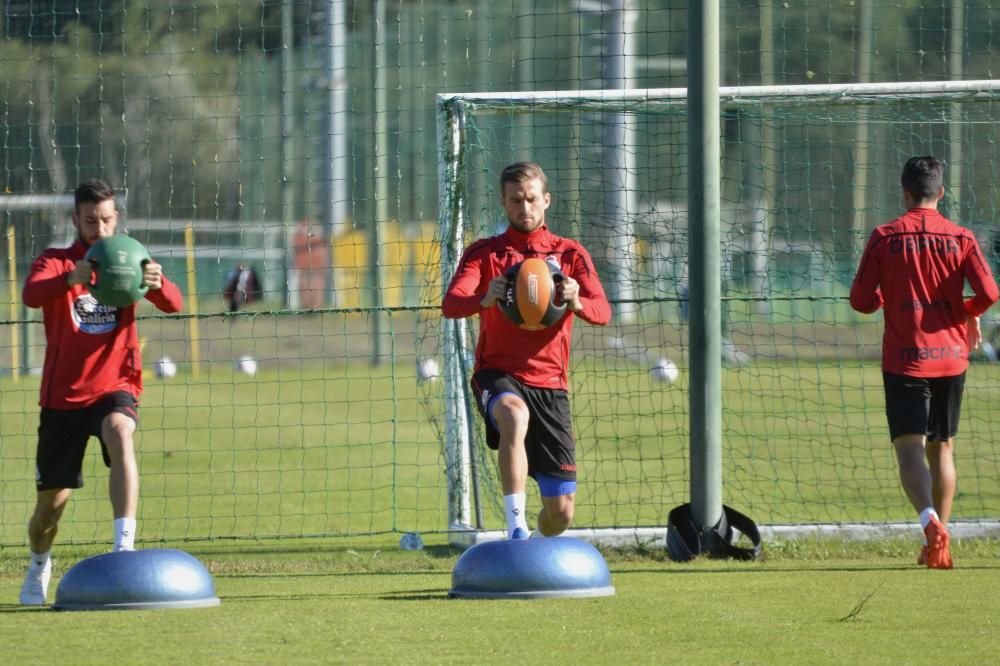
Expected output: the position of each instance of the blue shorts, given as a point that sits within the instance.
(550, 486)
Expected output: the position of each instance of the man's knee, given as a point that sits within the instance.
(510, 412)
(559, 511)
(116, 433)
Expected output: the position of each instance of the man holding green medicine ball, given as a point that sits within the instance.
(92, 377)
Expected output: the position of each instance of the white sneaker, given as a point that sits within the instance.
(36, 585)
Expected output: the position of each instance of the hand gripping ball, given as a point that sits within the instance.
(118, 263)
(530, 301)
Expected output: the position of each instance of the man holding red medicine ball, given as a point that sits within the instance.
(520, 377)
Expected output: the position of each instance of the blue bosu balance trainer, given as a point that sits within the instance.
(136, 580)
(546, 568)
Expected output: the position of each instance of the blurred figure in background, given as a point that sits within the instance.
(242, 287)
(310, 265)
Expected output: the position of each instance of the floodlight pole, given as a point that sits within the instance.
(337, 171)
(705, 323)
(379, 174)
(953, 172)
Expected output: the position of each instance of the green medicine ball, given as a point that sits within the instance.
(118, 262)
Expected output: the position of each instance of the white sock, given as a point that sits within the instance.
(926, 515)
(124, 534)
(40, 560)
(514, 510)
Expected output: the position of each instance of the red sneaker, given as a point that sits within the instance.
(938, 540)
(922, 557)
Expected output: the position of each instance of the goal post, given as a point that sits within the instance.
(804, 437)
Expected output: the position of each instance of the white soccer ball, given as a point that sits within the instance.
(665, 370)
(246, 364)
(165, 368)
(411, 541)
(428, 370)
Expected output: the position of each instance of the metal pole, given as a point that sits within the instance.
(705, 287)
(768, 163)
(335, 196)
(956, 50)
(861, 130)
(618, 153)
(15, 304)
(379, 172)
(287, 127)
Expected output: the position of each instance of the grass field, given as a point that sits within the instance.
(254, 475)
(325, 447)
(340, 601)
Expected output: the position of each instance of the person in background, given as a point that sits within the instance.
(915, 268)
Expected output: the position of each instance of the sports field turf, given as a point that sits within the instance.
(367, 602)
(229, 462)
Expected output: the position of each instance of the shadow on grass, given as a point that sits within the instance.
(325, 574)
(18, 608)
(418, 595)
(402, 595)
(682, 569)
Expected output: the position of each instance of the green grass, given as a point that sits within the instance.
(363, 601)
(338, 449)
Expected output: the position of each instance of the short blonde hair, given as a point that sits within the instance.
(519, 172)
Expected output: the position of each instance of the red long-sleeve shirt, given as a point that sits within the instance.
(91, 349)
(916, 267)
(536, 358)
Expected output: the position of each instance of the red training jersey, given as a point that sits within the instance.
(90, 349)
(916, 267)
(536, 358)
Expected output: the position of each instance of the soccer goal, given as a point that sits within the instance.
(807, 172)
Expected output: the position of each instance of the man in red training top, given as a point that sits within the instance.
(520, 378)
(91, 381)
(916, 267)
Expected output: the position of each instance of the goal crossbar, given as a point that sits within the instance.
(729, 97)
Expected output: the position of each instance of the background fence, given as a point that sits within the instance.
(298, 138)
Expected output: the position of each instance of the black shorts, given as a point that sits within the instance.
(549, 443)
(923, 405)
(63, 435)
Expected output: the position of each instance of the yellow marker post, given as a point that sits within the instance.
(15, 337)
(192, 299)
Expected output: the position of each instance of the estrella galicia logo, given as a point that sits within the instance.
(92, 317)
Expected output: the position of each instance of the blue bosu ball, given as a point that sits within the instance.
(531, 569)
(136, 580)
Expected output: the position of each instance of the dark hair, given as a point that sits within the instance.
(92, 191)
(520, 172)
(923, 177)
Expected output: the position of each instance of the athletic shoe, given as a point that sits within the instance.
(36, 585)
(938, 539)
(922, 557)
(519, 533)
